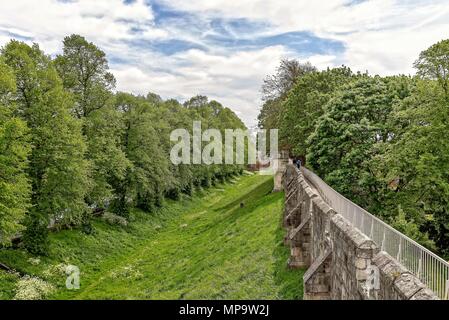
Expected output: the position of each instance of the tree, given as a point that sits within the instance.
(84, 70)
(57, 169)
(382, 142)
(305, 104)
(68, 143)
(433, 63)
(275, 90)
(417, 159)
(145, 182)
(14, 150)
(346, 136)
(103, 130)
(277, 85)
(196, 102)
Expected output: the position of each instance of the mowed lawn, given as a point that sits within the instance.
(225, 243)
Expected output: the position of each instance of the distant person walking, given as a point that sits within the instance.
(298, 163)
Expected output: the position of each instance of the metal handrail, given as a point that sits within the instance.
(432, 270)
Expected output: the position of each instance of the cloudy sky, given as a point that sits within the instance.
(224, 48)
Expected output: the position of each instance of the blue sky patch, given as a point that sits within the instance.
(225, 34)
(165, 47)
(302, 43)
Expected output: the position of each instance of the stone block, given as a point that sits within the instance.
(389, 267)
(408, 285)
(361, 275)
(425, 294)
(361, 263)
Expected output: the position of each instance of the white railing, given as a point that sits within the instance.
(424, 264)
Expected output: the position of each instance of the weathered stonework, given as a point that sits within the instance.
(321, 215)
(297, 216)
(341, 260)
(299, 239)
(397, 283)
(317, 279)
(352, 254)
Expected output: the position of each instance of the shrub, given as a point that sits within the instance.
(35, 237)
(55, 271)
(32, 288)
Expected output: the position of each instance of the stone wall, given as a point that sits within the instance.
(342, 263)
(279, 165)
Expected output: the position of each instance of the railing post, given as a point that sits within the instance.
(361, 223)
(418, 274)
(446, 296)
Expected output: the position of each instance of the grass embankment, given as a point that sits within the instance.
(206, 247)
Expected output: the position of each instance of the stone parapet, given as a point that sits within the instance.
(342, 263)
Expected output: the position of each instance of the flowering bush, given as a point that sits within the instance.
(32, 288)
(55, 271)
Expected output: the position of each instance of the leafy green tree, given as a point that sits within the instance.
(57, 170)
(382, 142)
(146, 180)
(346, 136)
(306, 102)
(269, 116)
(225, 119)
(417, 160)
(84, 70)
(410, 228)
(433, 63)
(275, 89)
(14, 150)
(103, 129)
(67, 142)
(213, 115)
(167, 116)
(197, 102)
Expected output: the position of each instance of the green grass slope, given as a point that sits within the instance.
(207, 247)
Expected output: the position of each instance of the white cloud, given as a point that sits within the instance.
(49, 21)
(323, 61)
(232, 79)
(381, 36)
